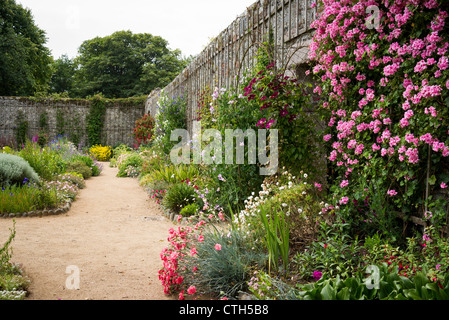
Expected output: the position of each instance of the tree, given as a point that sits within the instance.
(24, 60)
(63, 76)
(125, 64)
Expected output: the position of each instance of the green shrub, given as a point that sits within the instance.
(179, 196)
(47, 162)
(189, 210)
(334, 253)
(129, 165)
(74, 178)
(117, 152)
(26, 198)
(14, 170)
(80, 167)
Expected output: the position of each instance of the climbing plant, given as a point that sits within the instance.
(95, 120)
(22, 126)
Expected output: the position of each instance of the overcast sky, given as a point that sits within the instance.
(186, 24)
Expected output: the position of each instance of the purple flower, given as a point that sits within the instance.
(317, 275)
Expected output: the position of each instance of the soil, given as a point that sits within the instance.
(113, 234)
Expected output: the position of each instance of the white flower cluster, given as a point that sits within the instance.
(253, 203)
(12, 295)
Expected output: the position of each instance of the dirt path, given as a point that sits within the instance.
(113, 234)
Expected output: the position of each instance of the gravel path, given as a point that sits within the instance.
(113, 235)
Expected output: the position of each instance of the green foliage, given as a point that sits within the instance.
(46, 162)
(276, 238)
(224, 271)
(189, 210)
(62, 80)
(15, 170)
(25, 61)
(173, 174)
(80, 167)
(13, 284)
(95, 120)
(391, 286)
(6, 251)
(129, 164)
(171, 116)
(179, 196)
(60, 122)
(26, 198)
(74, 178)
(22, 126)
(124, 65)
(335, 253)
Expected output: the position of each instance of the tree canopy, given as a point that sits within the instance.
(117, 66)
(63, 76)
(125, 64)
(25, 62)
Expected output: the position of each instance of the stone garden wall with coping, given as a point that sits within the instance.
(68, 116)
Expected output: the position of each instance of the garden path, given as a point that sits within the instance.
(113, 234)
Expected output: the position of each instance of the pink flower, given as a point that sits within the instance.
(392, 193)
(344, 200)
(359, 149)
(218, 247)
(317, 275)
(443, 186)
(191, 290)
(344, 183)
(181, 295)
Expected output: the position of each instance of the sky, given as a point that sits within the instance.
(187, 25)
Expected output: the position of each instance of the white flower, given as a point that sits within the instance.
(305, 175)
(284, 205)
(299, 210)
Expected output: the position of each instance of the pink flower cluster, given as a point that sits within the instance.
(357, 66)
(181, 243)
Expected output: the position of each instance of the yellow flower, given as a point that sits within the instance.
(101, 153)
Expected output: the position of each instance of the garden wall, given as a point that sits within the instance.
(68, 116)
(232, 52)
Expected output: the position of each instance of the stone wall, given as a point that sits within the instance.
(233, 51)
(118, 126)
